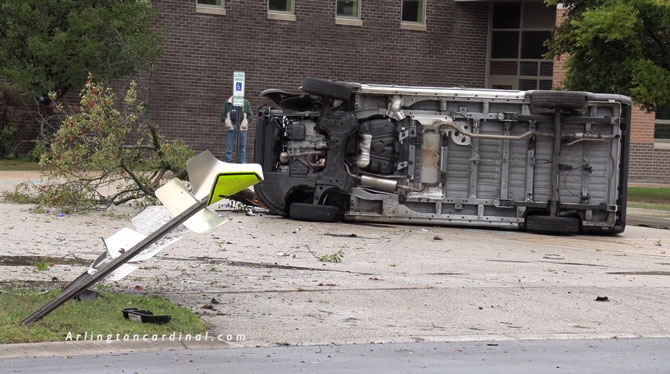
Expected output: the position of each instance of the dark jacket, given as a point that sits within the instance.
(229, 103)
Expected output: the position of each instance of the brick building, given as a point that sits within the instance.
(279, 43)
(470, 43)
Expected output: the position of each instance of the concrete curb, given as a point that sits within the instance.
(645, 221)
(82, 348)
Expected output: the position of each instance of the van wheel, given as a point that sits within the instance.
(568, 100)
(314, 213)
(325, 88)
(552, 225)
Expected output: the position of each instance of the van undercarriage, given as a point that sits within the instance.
(544, 161)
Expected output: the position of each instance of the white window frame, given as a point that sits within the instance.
(211, 9)
(348, 20)
(415, 26)
(280, 14)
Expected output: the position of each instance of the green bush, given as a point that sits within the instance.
(10, 100)
(107, 153)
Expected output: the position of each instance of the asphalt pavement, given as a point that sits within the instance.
(512, 356)
(395, 284)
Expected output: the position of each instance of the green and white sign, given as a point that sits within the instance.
(238, 88)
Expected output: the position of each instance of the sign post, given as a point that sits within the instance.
(238, 101)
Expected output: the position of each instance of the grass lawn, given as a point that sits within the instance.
(19, 163)
(100, 316)
(651, 194)
(649, 197)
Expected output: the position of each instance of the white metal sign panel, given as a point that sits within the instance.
(238, 88)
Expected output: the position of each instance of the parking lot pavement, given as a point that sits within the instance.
(395, 282)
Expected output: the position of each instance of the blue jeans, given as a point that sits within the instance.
(230, 144)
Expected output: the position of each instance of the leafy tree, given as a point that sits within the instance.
(10, 101)
(52, 45)
(620, 46)
(108, 153)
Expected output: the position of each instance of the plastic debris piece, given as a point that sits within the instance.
(87, 295)
(144, 316)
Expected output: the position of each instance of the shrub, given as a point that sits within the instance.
(107, 153)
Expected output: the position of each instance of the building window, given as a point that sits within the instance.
(281, 10)
(348, 8)
(210, 7)
(414, 11)
(516, 54)
(348, 12)
(285, 6)
(662, 125)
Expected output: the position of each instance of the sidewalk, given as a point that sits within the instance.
(659, 219)
(16, 176)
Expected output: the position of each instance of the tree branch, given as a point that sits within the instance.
(143, 187)
(662, 47)
(113, 199)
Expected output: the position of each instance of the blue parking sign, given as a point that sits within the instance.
(238, 84)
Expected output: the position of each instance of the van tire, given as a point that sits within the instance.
(325, 88)
(561, 100)
(314, 213)
(552, 225)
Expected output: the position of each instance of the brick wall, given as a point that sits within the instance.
(642, 128)
(647, 162)
(651, 164)
(194, 76)
(559, 72)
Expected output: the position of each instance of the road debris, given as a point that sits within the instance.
(341, 235)
(211, 180)
(87, 295)
(144, 316)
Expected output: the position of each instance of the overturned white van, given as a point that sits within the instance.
(544, 161)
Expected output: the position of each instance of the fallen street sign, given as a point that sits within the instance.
(211, 180)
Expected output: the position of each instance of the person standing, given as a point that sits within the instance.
(236, 120)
